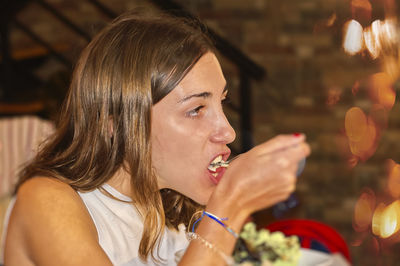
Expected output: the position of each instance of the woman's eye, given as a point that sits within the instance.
(195, 112)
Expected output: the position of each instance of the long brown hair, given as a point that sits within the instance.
(129, 66)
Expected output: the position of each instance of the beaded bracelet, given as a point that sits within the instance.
(193, 236)
(218, 220)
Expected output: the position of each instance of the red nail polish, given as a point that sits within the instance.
(296, 134)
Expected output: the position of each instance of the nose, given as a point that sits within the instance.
(223, 131)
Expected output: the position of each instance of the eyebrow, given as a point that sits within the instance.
(204, 95)
(197, 95)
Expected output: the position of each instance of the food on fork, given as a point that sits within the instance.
(217, 163)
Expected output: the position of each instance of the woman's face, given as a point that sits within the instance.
(190, 130)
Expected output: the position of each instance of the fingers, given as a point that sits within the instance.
(295, 152)
(282, 162)
(282, 153)
(292, 147)
(276, 192)
(286, 150)
(269, 170)
(287, 183)
(281, 142)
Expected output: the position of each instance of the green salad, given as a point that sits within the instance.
(263, 248)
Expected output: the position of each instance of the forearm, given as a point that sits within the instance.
(198, 253)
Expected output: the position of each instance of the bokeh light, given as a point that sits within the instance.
(353, 37)
(371, 40)
(388, 34)
(393, 184)
(352, 161)
(390, 220)
(391, 66)
(379, 115)
(331, 20)
(365, 146)
(362, 133)
(355, 123)
(385, 221)
(376, 219)
(355, 88)
(363, 211)
(365, 127)
(381, 36)
(334, 95)
(381, 90)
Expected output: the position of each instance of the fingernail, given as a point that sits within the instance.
(297, 134)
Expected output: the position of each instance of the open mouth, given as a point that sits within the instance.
(217, 163)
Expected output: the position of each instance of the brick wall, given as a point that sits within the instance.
(309, 89)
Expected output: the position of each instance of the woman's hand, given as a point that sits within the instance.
(259, 178)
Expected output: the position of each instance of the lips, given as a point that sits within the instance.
(216, 173)
(216, 176)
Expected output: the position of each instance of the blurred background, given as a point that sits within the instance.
(326, 68)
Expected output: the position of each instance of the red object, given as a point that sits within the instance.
(296, 134)
(311, 231)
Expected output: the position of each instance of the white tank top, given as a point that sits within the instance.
(120, 228)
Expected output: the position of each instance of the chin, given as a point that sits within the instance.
(202, 202)
(202, 199)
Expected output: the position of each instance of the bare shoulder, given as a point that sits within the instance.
(49, 199)
(49, 213)
(47, 190)
(39, 188)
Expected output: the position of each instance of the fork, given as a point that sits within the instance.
(224, 164)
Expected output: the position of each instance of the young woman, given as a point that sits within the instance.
(132, 159)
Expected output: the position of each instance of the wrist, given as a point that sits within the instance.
(222, 205)
(225, 206)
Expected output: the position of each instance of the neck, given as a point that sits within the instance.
(121, 181)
